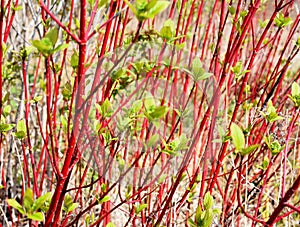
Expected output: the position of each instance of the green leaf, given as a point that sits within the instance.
(67, 91)
(149, 104)
(191, 223)
(104, 199)
(43, 46)
(102, 3)
(295, 89)
(21, 129)
(198, 71)
(141, 5)
(39, 202)
(237, 136)
(20, 135)
(159, 112)
(16, 8)
(6, 110)
(72, 207)
(275, 147)
(28, 200)
(52, 35)
(105, 108)
(249, 149)
(152, 140)
(263, 24)
(38, 216)
(68, 203)
(208, 201)
(197, 68)
(208, 218)
(74, 60)
(271, 114)
(140, 207)
(60, 47)
(110, 224)
(168, 30)
(13, 203)
(150, 5)
(136, 106)
(157, 8)
(231, 10)
(282, 21)
(265, 164)
(132, 8)
(6, 127)
(217, 211)
(182, 145)
(37, 98)
(205, 76)
(298, 42)
(198, 214)
(162, 178)
(21, 126)
(103, 187)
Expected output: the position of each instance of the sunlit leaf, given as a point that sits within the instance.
(13, 203)
(38, 216)
(237, 136)
(249, 149)
(140, 207)
(39, 202)
(52, 35)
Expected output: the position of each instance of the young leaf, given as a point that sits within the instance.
(6, 110)
(52, 35)
(74, 60)
(191, 223)
(271, 114)
(208, 201)
(21, 130)
(140, 207)
(168, 30)
(208, 218)
(136, 106)
(28, 200)
(13, 203)
(275, 147)
(60, 47)
(37, 98)
(237, 136)
(72, 207)
(152, 140)
(110, 224)
(132, 8)
(231, 10)
(150, 5)
(282, 21)
(6, 127)
(43, 46)
(198, 214)
(205, 76)
(21, 126)
(197, 68)
(68, 203)
(157, 8)
(67, 91)
(104, 199)
(38, 216)
(149, 104)
(249, 149)
(39, 202)
(295, 89)
(159, 112)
